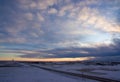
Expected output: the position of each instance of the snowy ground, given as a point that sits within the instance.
(106, 71)
(16, 72)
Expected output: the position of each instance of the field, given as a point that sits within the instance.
(58, 72)
(23, 72)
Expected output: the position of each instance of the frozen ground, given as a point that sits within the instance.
(106, 71)
(16, 72)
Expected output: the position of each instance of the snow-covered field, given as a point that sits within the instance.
(22, 72)
(106, 71)
(26, 72)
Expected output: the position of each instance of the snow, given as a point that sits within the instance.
(106, 71)
(24, 72)
(28, 73)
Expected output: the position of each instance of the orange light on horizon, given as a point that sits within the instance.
(47, 59)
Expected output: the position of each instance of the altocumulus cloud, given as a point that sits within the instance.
(60, 28)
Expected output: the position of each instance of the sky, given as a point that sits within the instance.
(59, 28)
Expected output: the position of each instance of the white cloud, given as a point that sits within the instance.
(79, 11)
(33, 5)
(106, 25)
(64, 9)
(88, 2)
(25, 4)
(34, 34)
(51, 54)
(29, 16)
(80, 20)
(67, 44)
(44, 4)
(37, 4)
(14, 40)
(18, 40)
(98, 21)
(82, 32)
(92, 17)
(84, 52)
(79, 44)
(40, 17)
(52, 11)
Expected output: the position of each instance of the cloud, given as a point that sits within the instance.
(116, 43)
(52, 11)
(33, 5)
(18, 40)
(64, 9)
(106, 25)
(44, 4)
(92, 17)
(29, 16)
(109, 50)
(72, 51)
(2, 47)
(40, 17)
(88, 25)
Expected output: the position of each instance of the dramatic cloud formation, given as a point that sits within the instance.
(59, 28)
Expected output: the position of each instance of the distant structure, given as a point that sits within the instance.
(13, 60)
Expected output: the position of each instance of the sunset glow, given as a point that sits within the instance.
(48, 59)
